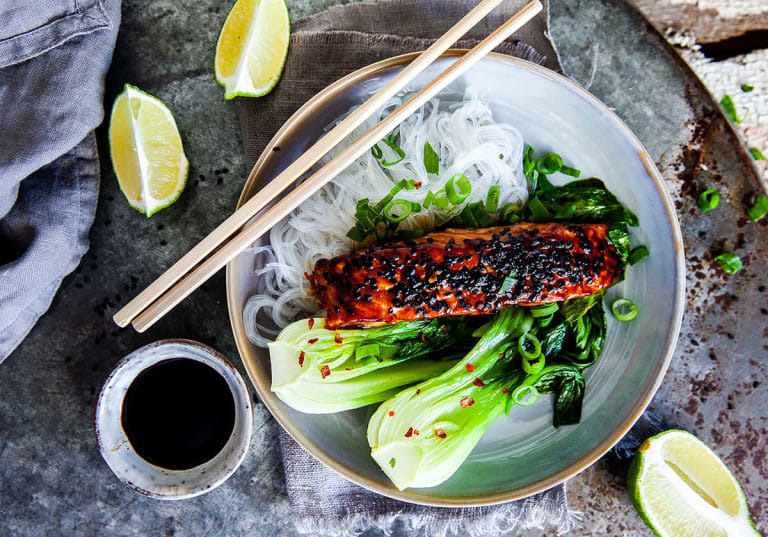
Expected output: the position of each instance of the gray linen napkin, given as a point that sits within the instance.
(54, 55)
(325, 47)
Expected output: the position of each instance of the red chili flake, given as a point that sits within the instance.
(423, 338)
(418, 391)
(505, 391)
(391, 413)
(311, 323)
(313, 340)
(440, 433)
(325, 371)
(416, 432)
(301, 359)
(467, 401)
(478, 382)
(470, 368)
(444, 329)
(348, 368)
(338, 339)
(417, 185)
(409, 433)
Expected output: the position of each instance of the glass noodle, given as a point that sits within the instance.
(467, 140)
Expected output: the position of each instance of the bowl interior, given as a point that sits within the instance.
(523, 453)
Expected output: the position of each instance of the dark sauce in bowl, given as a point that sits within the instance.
(178, 414)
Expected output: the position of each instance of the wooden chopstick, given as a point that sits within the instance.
(293, 199)
(300, 166)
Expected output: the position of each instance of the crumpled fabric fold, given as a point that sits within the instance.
(54, 56)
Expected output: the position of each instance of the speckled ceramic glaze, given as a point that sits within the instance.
(522, 454)
(148, 479)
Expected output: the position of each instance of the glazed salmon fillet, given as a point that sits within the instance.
(465, 272)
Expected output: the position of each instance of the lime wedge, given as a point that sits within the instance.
(146, 151)
(252, 47)
(681, 488)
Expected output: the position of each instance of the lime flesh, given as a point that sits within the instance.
(146, 151)
(681, 488)
(252, 47)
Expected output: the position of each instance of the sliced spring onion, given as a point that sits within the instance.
(508, 283)
(376, 151)
(431, 159)
(492, 199)
(573, 172)
(535, 365)
(729, 262)
(544, 310)
(746, 88)
(759, 209)
(458, 188)
(730, 109)
(403, 208)
(638, 254)
(396, 148)
(357, 234)
(389, 197)
(415, 207)
(528, 161)
(364, 351)
(440, 200)
(624, 309)
(709, 199)
(533, 180)
(756, 153)
(509, 213)
(363, 213)
(469, 217)
(549, 163)
(525, 395)
(428, 199)
(538, 211)
(481, 215)
(529, 346)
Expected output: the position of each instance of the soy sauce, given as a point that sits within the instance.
(178, 414)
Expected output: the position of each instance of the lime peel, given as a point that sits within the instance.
(258, 59)
(680, 487)
(146, 150)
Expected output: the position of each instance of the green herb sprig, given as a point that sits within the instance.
(730, 109)
(759, 209)
(729, 262)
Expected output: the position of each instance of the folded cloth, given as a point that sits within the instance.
(325, 47)
(54, 55)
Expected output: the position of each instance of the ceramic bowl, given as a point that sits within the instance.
(148, 479)
(523, 454)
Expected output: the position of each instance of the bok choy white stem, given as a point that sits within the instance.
(320, 371)
(421, 436)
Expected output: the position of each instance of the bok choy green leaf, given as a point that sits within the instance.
(421, 436)
(320, 371)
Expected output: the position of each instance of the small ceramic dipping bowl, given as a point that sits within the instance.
(148, 479)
